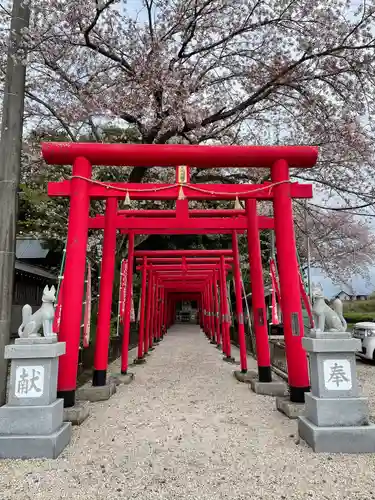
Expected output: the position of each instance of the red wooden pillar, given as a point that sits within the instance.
(201, 311)
(128, 305)
(161, 312)
(74, 279)
(165, 320)
(222, 309)
(107, 274)
(216, 301)
(204, 310)
(298, 377)
(239, 308)
(156, 311)
(152, 308)
(149, 311)
(226, 320)
(211, 311)
(198, 312)
(207, 315)
(141, 331)
(257, 294)
(169, 310)
(173, 312)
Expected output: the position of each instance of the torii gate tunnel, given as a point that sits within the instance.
(81, 188)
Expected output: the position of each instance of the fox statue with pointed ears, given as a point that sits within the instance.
(325, 318)
(42, 318)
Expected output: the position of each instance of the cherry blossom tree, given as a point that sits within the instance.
(235, 72)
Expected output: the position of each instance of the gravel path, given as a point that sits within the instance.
(186, 429)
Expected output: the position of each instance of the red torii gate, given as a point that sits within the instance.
(199, 274)
(81, 188)
(112, 220)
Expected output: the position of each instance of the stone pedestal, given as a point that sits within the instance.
(139, 361)
(273, 388)
(31, 423)
(78, 413)
(289, 408)
(95, 393)
(336, 417)
(247, 377)
(119, 378)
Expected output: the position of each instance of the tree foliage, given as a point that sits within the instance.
(200, 71)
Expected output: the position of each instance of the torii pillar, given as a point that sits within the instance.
(298, 376)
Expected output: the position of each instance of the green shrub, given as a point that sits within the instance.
(357, 317)
(357, 306)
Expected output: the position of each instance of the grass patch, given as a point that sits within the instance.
(356, 306)
(357, 317)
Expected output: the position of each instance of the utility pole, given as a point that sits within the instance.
(10, 163)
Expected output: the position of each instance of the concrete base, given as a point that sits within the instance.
(96, 393)
(245, 377)
(229, 360)
(290, 409)
(269, 388)
(329, 412)
(119, 378)
(139, 361)
(45, 446)
(359, 439)
(31, 420)
(78, 413)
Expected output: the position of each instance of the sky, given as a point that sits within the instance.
(357, 285)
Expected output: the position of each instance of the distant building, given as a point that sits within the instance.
(345, 296)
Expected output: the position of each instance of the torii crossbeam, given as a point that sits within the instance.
(81, 188)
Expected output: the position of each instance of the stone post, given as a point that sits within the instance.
(336, 418)
(31, 423)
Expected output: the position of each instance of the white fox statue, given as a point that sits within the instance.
(325, 318)
(42, 318)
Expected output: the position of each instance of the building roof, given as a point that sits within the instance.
(353, 294)
(30, 249)
(36, 271)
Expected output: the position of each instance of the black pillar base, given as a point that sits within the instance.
(297, 394)
(218, 346)
(151, 349)
(229, 359)
(124, 372)
(69, 398)
(244, 371)
(213, 342)
(99, 378)
(264, 374)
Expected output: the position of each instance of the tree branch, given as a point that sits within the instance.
(149, 4)
(91, 45)
(267, 88)
(62, 122)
